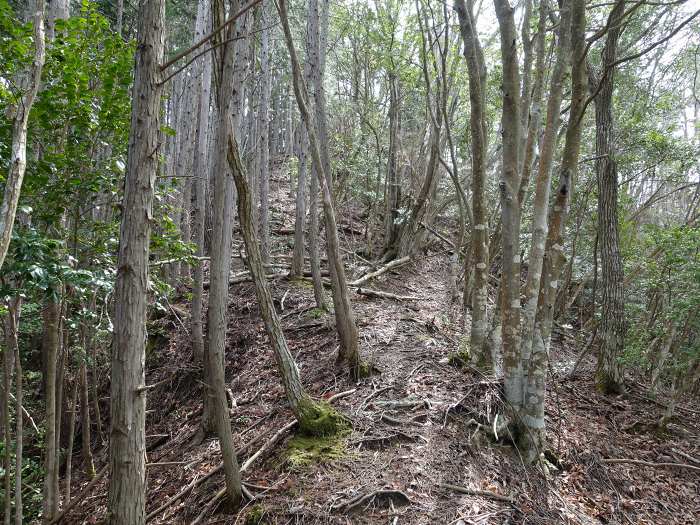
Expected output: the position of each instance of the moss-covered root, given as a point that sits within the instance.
(361, 370)
(317, 418)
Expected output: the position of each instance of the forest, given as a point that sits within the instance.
(350, 262)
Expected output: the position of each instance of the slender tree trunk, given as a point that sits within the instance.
(7, 435)
(314, 245)
(50, 347)
(120, 17)
(127, 488)
(11, 340)
(391, 214)
(313, 419)
(264, 128)
(63, 338)
(479, 249)
(18, 157)
(531, 106)
(55, 10)
(541, 271)
(300, 212)
(345, 320)
(609, 376)
(220, 266)
(88, 463)
(71, 438)
(201, 174)
(510, 213)
(664, 352)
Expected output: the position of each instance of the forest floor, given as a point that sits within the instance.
(410, 432)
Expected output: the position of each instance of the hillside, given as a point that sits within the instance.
(413, 444)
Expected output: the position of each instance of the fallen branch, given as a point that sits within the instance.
(475, 492)
(269, 444)
(244, 277)
(360, 499)
(396, 421)
(386, 295)
(80, 496)
(439, 235)
(341, 395)
(389, 266)
(686, 456)
(195, 483)
(650, 464)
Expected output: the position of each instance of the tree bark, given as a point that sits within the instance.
(391, 214)
(533, 349)
(201, 176)
(609, 376)
(7, 436)
(88, 463)
(71, 438)
(264, 131)
(311, 417)
(50, 347)
(510, 212)
(300, 209)
(12, 343)
(220, 265)
(127, 488)
(18, 156)
(479, 249)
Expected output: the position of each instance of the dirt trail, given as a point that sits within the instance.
(409, 424)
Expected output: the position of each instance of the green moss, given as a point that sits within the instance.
(320, 419)
(255, 515)
(462, 357)
(317, 313)
(304, 451)
(364, 369)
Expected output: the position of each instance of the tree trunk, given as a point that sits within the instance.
(55, 10)
(127, 488)
(50, 346)
(88, 463)
(345, 321)
(534, 351)
(71, 438)
(314, 244)
(220, 265)
(300, 211)
(264, 132)
(391, 216)
(18, 157)
(7, 436)
(479, 249)
(201, 174)
(313, 418)
(510, 213)
(12, 343)
(609, 376)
